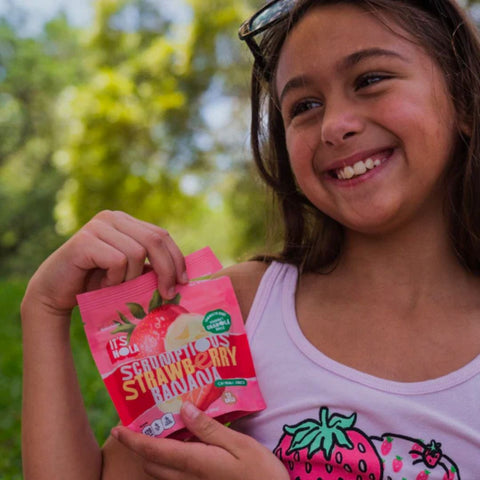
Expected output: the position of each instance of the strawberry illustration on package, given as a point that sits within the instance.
(154, 354)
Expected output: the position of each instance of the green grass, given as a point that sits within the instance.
(100, 409)
(10, 380)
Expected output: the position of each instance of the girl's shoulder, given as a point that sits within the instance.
(245, 278)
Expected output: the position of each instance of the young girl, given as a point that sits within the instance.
(365, 328)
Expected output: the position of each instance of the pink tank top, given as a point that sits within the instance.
(325, 420)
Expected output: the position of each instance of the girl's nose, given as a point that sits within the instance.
(340, 123)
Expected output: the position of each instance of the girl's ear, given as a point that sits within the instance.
(465, 125)
(466, 130)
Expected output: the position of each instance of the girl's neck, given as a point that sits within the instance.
(400, 297)
(416, 259)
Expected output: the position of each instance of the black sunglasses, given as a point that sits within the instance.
(269, 15)
(277, 10)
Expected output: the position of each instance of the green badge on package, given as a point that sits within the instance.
(217, 321)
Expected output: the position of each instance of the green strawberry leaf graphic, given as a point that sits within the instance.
(323, 435)
(156, 301)
(175, 300)
(123, 326)
(303, 435)
(137, 310)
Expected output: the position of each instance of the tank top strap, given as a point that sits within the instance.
(278, 282)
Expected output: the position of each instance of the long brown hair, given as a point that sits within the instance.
(312, 240)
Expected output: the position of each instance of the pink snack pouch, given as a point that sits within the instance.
(153, 354)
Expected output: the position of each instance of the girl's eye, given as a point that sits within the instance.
(303, 107)
(370, 79)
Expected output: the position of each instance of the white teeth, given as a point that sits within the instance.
(348, 172)
(358, 168)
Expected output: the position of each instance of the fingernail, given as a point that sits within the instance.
(114, 433)
(184, 277)
(190, 410)
(171, 292)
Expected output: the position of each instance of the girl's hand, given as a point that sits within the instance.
(108, 250)
(222, 454)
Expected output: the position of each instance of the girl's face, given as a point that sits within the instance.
(369, 123)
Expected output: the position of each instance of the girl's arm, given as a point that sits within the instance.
(57, 441)
(56, 436)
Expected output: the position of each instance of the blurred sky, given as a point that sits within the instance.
(79, 12)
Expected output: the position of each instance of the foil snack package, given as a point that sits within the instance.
(154, 354)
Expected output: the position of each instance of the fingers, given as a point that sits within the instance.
(133, 241)
(240, 449)
(211, 431)
(164, 255)
(169, 459)
(222, 453)
(118, 254)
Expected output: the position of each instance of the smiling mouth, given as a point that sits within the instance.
(361, 167)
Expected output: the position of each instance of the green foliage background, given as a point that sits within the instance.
(141, 111)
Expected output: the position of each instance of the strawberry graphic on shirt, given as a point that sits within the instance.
(423, 475)
(333, 448)
(432, 454)
(386, 446)
(397, 464)
(419, 460)
(149, 333)
(328, 448)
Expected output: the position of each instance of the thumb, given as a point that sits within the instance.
(205, 428)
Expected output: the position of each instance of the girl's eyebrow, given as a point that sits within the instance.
(348, 62)
(357, 57)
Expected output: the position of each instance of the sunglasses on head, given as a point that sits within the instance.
(277, 10)
(270, 14)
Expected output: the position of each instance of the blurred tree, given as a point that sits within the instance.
(32, 74)
(142, 134)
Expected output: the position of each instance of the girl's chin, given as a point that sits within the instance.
(371, 225)
(374, 212)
